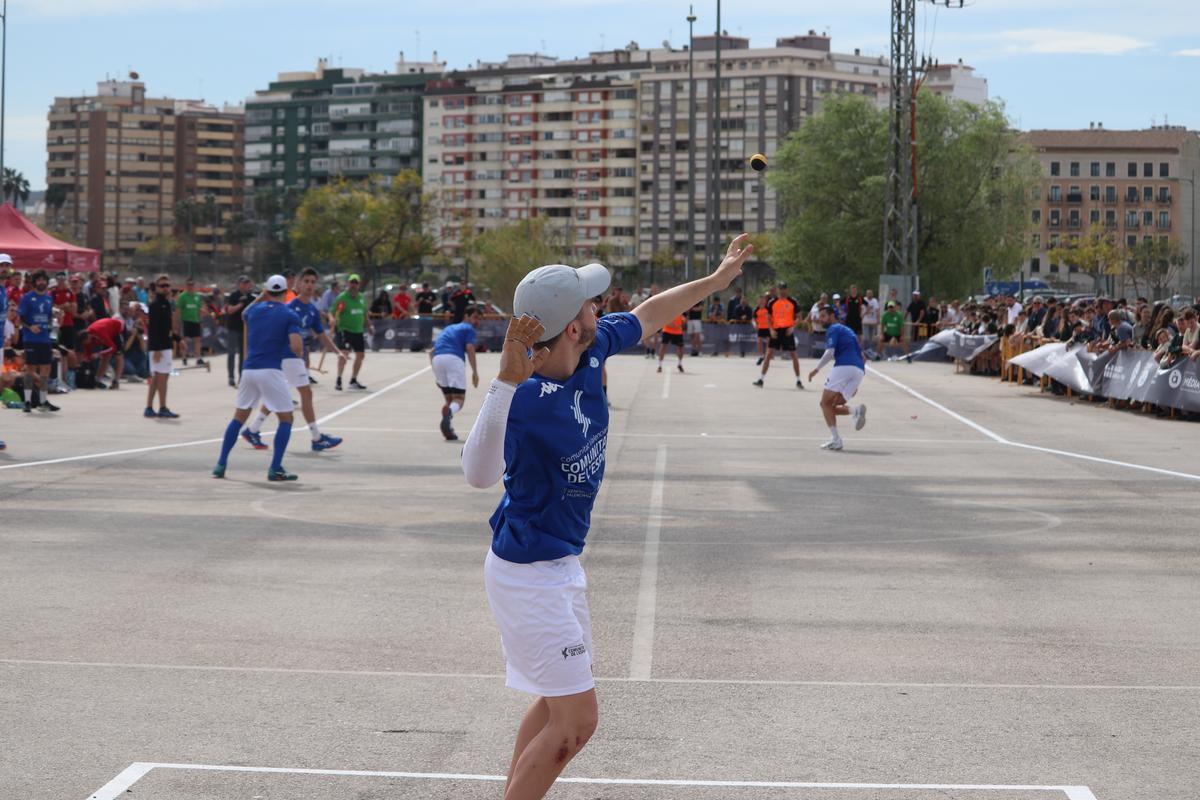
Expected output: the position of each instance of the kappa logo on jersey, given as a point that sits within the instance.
(549, 388)
(580, 417)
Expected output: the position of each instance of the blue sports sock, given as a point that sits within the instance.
(282, 434)
(231, 436)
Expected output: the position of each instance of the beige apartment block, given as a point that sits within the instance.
(124, 163)
(1139, 185)
(210, 160)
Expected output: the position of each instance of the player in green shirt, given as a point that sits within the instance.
(891, 330)
(189, 302)
(349, 319)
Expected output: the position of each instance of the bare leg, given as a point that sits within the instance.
(531, 725)
(572, 721)
(162, 390)
(358, 361)
(306, 405)
(795, 364)
(767, 359)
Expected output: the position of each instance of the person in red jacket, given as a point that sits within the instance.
(108, 335)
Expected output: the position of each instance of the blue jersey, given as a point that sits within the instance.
(36, 309)
(454, 340)
(844, 344)
(269, 326)
(310, 321)
(554, 454)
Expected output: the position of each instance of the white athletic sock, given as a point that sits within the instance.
(256, 424)
(315, 431)
(833, 430)
(455, 407)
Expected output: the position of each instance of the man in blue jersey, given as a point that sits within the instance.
(295, 369)
(543, 428)
(843, 349)
(36, 311)
(272, 335)
(449, 356)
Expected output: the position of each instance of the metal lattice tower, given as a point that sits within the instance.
(899, 221)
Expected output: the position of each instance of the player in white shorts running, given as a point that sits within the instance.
(453, 348)
(296, 369)
(272, 334)
(543, 428)
(843, 349)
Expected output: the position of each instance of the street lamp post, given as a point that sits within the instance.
(1192, 226)
(691, 243)
(3, 76)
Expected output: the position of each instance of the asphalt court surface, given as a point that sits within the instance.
(935, 605)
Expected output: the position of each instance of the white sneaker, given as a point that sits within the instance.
(860, 417)
(832, 444)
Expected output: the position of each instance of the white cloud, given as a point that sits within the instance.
(25, 128)
(1194, 52)
(1049, 41)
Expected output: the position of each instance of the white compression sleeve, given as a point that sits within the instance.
(826, 357)
(483, 454)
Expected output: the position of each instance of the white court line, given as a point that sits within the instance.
(641, 660)
(735, 436)
(998, 439)
(364, 673)
(666, 392)
(136, 771)
(194, 443)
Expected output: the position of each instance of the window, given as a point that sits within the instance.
(1164, 194)
(1037, 216)
(1054, 168)
(1110, 194)
(1147, 218)
(1036, 241)
(1164, 169)
(1164, 219)
(1110, 219)
(1131, 240)
(1095, 169)
(1131, 219)
(1110, 169)
(1074, 169)
(1073, 218)
(1056, 194)
(1094, 194)
(1094, 216)
(1035, 264)
(1148, 194)
(1148, 170)
(1054, 218)
(1132, 171)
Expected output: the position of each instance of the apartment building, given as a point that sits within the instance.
(114, 154)
(766, 93)
(307, 127)
(125, 160)
(1139, 185)
(210, 161)
(536, 137)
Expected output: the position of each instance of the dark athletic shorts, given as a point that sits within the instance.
(348, 340)
(38, 354)
(449, 390)
(669, 339)
(784, 340)
(66, 337)
(764, 333)
(192, 330)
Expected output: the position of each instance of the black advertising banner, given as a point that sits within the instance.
(951, 344)
(1132, 375)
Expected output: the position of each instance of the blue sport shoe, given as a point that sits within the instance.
(167, 413)
(254, 439)
(280, 475)
(149, 413)
(3, 446)
(219, 471)
(326, 442)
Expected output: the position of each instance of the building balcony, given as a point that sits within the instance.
(1054, 201)
(1165, 227)
(1074, 199)
(1109, 201)
(1132, 226)
(1164, 199)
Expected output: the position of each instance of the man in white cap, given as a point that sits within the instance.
(272, 335)
(543, 428)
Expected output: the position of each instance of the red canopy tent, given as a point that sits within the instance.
(32, 248)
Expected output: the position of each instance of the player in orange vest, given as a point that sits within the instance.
(782, 310)
(672, 334)
(762, 323)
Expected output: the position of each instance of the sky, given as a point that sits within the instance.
(1054, 64)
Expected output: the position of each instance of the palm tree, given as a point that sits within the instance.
(56, 198)
(15, 187)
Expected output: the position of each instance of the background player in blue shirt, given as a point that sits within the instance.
(453, 348)
(36, 311)
(543, 428)
(272, 334)
(295, 369)
(843, 349)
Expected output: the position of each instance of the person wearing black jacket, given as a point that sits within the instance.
(235, 303)
(738, 310)
(853, 304)
(161, 331)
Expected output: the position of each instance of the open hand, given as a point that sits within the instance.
(735, 256)
(475, 380)
(812, 375)
(516, 365)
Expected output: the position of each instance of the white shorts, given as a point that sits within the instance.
(265, 386)
(450, 372)
(163, 365)
(695, 326)
(545, 627)
(296, 372)
(844, 380)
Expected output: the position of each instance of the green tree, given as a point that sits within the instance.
(56, 198)
(973, 180)
(664, 266)
(1096, 254)
(189, 215)
(501, 257)
(1154, 264)
(15, 187)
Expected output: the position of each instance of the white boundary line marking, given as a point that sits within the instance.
(998, 439)
(642, 657)
(153, 448)
(735, 436)
(666, 392)
(30, 662)
(138, 770)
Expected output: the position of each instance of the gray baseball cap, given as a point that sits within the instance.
(554, 294)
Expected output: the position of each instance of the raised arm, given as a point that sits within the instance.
(665, 306)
